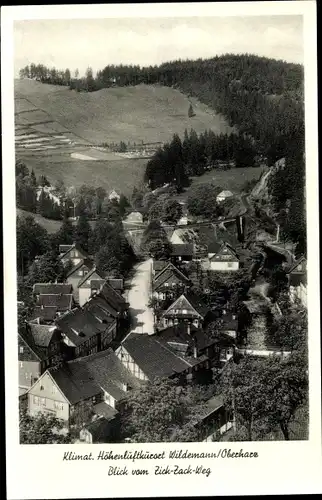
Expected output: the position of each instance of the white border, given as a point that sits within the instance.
(37, 472)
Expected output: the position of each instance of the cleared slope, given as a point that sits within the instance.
(148, 113)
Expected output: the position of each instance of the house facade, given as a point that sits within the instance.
(223, 195)
(88, 285)
(217, 419)
(167, 282)
(225, 259)
(73, 254)
(186, 308)
(76, 274)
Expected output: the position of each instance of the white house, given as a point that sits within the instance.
(223, 195)
(223, 259)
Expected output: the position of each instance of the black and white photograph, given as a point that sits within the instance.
(161, 238)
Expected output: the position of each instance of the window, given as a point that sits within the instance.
(21, 364)
(184, 311)
(229, 264)
(21, 349)
(166, 284)
(80, 272)
(58, 406)
(41, 387)
(36, 400)
(43, 401)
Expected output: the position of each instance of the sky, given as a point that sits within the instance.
(66, 43)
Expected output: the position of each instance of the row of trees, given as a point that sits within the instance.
(176, 161)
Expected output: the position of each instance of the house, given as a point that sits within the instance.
(215, 419)
(44, 315)
(188, 307)
(168, 281)
(77, 273)
(223, 195)
(157, 266)
(134, 218)
(223, 258)
(86, 285)
(73, 254)
(297, 279)
(114, 196)
(87, 330)
(102, 429)
(77, 390)
(39, 346)
(182, 253)
(146, 358)
(116, 283)
(52, 289)
(228, 323)
(181, 236)
(185, 339)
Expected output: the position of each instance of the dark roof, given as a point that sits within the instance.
(227, 321)
(99, 428)
(112, 297)
(154, 359)
(182, 249)
(89, 274)
(79, 325)
(84, 262)
(77, 247)
(52, 288)
(86, 377)
(100, 307)
(214, 247)
(105, 410)
(61, 302)
(158, 265)
(48, 313)
(96, 284)
(193, 300)
(42, 334)
(65, 248)
(30, 351)
(116, 283)
(161, 277)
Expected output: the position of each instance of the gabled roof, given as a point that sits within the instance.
(42, 334)
(184, 302)
(48, 313)
(74, 246)
(52, 288)
(30, 352)
(99, 428)
(65, 248)
(214, 247)
(61, 302)
(96, 284)
(112, 297)
(84, 262)
(89, 274)
(116, 283)
(162, 275)
(153, 358)
(81, 324)
(296, 263)
(182, 249)
(89, 376)
(158, 265)
(227, 249)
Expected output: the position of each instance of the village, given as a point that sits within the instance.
(95, 338)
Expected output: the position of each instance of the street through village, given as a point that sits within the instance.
(138, 297)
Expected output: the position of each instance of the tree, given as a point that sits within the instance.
(159, 249)
(162, 411)
(289, 331)
(42, 429)
(47, 269)
(155, 241)
(83, 232)
(32, 240)
(102, 232)
(265, 393)
(64, 236)
(191, 112)
(203, 201)
(172, 211)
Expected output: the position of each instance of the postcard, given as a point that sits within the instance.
(161, 243)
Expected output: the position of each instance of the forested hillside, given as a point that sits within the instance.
(262, 97)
